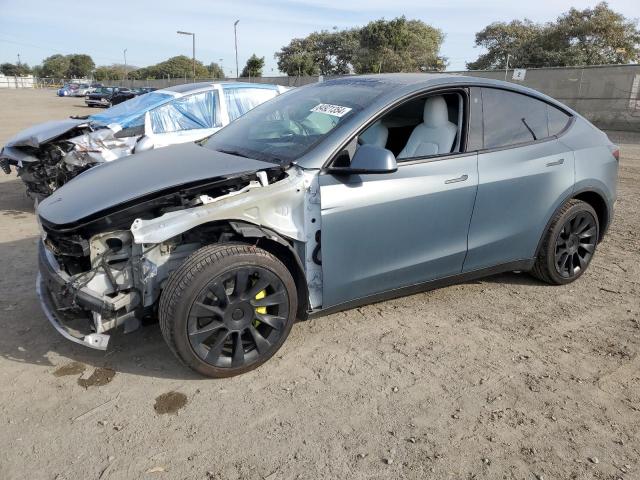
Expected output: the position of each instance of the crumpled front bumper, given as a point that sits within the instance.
(69, 307)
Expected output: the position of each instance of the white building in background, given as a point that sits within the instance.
(17, 82)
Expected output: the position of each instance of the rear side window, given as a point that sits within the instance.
(192, 112)
(241, 100)
(511, 118)
(557, 119)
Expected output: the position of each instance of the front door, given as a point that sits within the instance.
(386, 231)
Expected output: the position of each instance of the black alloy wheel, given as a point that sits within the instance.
(575, 244)
(238, 317)
(568, 244)
(228, 308)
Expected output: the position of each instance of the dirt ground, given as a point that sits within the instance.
(503, 378)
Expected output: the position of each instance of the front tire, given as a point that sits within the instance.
(569, 244)
(228, 309)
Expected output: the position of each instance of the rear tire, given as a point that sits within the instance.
(568, 245)
(227, 309)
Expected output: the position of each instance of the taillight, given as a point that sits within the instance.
(615, 151)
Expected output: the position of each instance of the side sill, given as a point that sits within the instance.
(524, 265)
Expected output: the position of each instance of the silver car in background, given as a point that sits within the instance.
(334, 195)
(48, 155)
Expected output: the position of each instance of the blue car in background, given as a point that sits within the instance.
(48, 155)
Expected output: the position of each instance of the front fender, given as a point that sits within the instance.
(278, 206)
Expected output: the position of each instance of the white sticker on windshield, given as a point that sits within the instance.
(335, 110)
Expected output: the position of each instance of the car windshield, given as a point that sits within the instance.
(104, 90)
(131, 113)
(285, 128)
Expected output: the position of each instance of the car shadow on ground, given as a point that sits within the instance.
(28, 337)
(512, 278)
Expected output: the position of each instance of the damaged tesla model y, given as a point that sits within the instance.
(334, 195)
(47, 156)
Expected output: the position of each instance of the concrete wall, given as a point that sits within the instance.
(608, 95)
(16, 82)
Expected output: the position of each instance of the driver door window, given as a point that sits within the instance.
(424, 127)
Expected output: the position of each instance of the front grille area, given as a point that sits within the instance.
(72, 246)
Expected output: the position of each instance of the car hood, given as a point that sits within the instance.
(139, 176)
(43, 132)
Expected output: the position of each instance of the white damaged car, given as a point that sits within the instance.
(48, 155)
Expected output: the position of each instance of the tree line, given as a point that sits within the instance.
(592, 36)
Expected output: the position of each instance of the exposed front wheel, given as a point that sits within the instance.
(569, 244)
(228, 309)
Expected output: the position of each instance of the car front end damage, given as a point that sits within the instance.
(44, 166)
(109, 272)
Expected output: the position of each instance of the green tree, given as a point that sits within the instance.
(254, 67)
(397, 45)
(17, 69)
(56, 66)
(215, 70)
(297, 58)
(174, 67)
(591, 36)
(80, 65)
(115, 71)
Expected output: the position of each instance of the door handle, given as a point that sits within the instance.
(557, 162)
(461, 178)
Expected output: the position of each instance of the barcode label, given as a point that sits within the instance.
(335, 110)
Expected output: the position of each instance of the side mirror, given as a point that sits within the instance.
(369, 159)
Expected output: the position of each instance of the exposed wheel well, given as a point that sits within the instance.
(600, 206)
(225, 231)
(286, 256)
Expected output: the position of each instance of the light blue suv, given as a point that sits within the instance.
(331, 196)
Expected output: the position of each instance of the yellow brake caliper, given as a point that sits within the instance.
(261, 310)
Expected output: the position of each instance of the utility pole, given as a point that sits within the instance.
(193, 37)
(18, 59)
(222, 68)
(124, 52)
(507, 69)
(235, 35)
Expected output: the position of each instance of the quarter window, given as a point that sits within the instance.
(511, 118)
(557, 120)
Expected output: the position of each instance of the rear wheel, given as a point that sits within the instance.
(569, 244)
(228, 309)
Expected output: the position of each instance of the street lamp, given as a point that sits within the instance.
(235, 35)
(125, 64)
(193, 35)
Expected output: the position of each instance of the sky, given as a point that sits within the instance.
(147, 28)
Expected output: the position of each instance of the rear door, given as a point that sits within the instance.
(524, 173)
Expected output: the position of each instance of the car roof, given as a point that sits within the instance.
(400, 84)
(202, 86)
